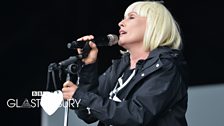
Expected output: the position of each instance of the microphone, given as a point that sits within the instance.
(108, 40)
(70, 60)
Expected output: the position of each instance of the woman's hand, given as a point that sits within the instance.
(68, 90)
(92, 56)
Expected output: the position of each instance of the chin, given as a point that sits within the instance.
(123, 45)
(120, 43)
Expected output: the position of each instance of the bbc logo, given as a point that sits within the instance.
(37, 93)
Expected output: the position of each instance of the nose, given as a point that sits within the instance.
(121, 23)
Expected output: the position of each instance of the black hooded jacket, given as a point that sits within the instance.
(156, 95)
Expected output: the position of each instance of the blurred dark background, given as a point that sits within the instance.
(35, 33)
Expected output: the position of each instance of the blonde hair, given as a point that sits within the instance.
(161, 28)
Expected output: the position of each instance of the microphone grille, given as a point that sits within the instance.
(113, 39)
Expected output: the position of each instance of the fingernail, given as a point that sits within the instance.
(79, 39)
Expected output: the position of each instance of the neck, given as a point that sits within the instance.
(136, 55)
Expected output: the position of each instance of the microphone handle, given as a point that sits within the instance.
(76, 44)
(86, 49)
(99, 41)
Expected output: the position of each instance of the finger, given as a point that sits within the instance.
(85, 38)
(92, 44)
(65, 89)
(67, 96)
(88, 37)
(79, 50)
(68, 84)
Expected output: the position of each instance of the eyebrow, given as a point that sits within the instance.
(132, 13)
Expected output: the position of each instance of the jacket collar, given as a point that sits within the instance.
(160, 50)
(154, 56)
